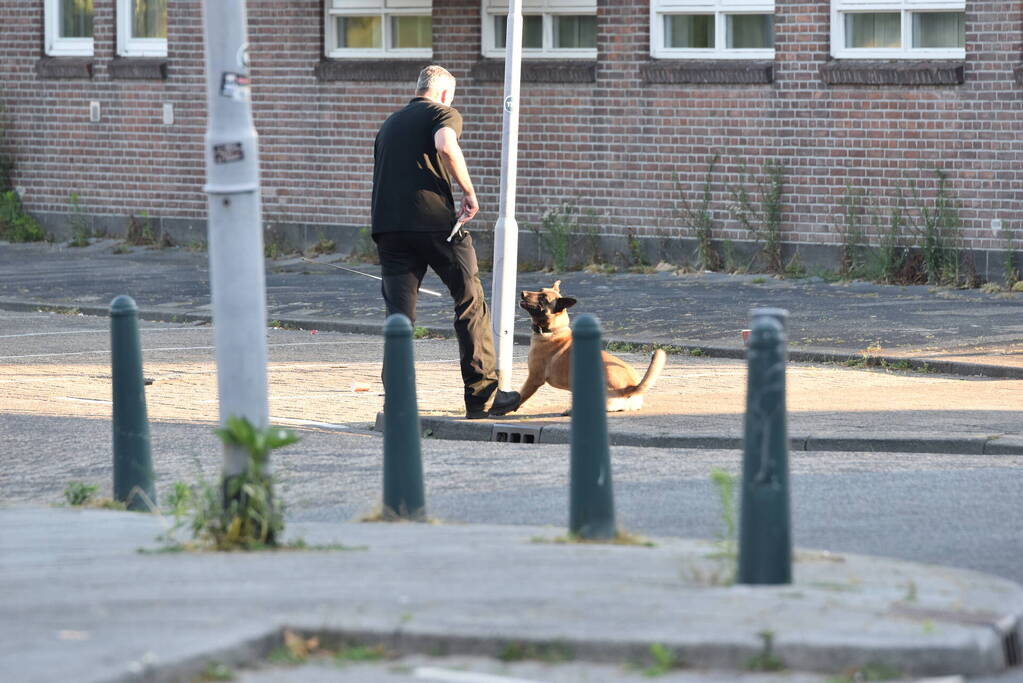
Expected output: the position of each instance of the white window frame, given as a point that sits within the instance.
(130, 46)
(659, 9)
(548, 9)
(839, 8)
(62, 47)
(385, 9)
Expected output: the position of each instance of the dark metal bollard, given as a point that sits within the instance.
(403, 463)
(765, 539)
(591, 506)
(133, 466)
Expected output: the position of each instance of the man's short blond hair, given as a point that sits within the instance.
(433, 77)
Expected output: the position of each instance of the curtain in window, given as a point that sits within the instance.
(532, 31)
(359, 32)
(149, 19)
(412, 32)
(76, 18)
(689, 30)
(576, 32)
(750, 31)
(939, 29)
(881, 29)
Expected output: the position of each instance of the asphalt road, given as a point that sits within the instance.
(947, 509)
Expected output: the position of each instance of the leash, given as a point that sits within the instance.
(359, 272)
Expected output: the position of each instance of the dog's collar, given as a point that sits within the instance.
(541, 332)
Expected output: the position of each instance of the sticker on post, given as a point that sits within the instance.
(235, 86)
(509, 104)
(228, 152)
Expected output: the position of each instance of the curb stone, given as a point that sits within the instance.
(156, 314)
(456, 429)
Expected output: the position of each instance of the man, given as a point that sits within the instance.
(415, 155)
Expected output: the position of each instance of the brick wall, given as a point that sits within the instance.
(621, 140)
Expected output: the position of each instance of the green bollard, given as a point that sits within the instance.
(133, 467)
(765, 539)
(403, 463)
(591, 504)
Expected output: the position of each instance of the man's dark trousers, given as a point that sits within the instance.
(404, 257)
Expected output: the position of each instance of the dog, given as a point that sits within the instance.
(550, 349)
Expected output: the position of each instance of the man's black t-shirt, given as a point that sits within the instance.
(411, 187)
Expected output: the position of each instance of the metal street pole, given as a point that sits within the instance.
(237, 277)
(506, 232)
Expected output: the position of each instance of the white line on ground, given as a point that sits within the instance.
(452, 676)
(104, 330)
(307, 423)
(85, 400)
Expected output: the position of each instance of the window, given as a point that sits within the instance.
(550, 28)
(712, 29)
(142, 28)
(378, 28)
(68, 28)
(892, 29)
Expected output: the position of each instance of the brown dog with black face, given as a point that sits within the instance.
(550, 354)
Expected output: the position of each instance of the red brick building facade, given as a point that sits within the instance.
(621, 136)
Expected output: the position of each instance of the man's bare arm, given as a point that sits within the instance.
(450, 154)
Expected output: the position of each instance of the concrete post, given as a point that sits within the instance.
(133, 465)
(237, 276)
(765, 540)
(506, 232)
(591, 498)
(403, 463)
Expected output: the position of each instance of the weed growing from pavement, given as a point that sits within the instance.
(940, 230)
(765, 660)
(662, 661)
(1009, 271)
(242, 512)
(323, 246)
(637, 258)
(852, 231)
(761, 213)
(80, 230)
(874, 671)
(15, 224)
(701, 220)
(216, 671)
(297, 649)
(555, 229)
(550, 653)
(622, 537)
(79, 493)
(365, 249)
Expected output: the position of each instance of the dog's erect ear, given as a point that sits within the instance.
(556, 286)
(562, 303)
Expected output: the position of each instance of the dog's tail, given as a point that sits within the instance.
(653, 371)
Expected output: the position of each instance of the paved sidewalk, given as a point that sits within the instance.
(127, 616)
(59, 365)
(962, 331)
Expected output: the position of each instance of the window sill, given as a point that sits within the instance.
(369, 69)
(64, 67)
(138, 68)
(538, 71)
(708, 72)
(912, 73)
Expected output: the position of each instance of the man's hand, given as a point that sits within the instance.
(469, 208)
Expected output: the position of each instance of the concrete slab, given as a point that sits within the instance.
(81, 603)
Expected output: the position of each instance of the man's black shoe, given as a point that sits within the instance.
(505, 402)
(476, 414)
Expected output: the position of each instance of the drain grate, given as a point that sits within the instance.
(515, 434)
